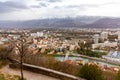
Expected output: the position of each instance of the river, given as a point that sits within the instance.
(86, 60)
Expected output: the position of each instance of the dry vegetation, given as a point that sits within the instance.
(50, 62)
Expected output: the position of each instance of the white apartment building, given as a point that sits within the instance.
(96, 38)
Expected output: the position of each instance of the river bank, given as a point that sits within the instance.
(90, 58)
(97, 59)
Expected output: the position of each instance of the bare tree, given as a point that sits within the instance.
(21, 47)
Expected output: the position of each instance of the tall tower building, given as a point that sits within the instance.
(118, 40)
(96, 38)
(118, 36)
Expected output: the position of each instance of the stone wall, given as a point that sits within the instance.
(46, 71)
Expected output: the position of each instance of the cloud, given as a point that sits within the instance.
(40, 5)
(54, 0)
(10, 6)
(35, 9)
(43, 4)
(35, 6)
(72, 6)
(82, 6)
(51, 1)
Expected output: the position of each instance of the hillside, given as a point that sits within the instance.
(78, 22)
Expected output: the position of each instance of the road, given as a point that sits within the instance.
(27, 74)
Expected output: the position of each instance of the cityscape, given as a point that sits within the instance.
(59, 40)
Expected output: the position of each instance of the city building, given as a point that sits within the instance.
(105, 44)
(104, 35)
(96, 38)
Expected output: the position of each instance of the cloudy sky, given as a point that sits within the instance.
(39, 9)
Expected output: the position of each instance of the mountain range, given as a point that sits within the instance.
(77, 22)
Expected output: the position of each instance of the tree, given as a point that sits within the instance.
(118, 76)
(82, 48)
(5, 52)
(91, 72)
(21, 47)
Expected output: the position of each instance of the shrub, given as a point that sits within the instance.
(108, 75)
(3, 63)
(91, 72)
(118, 76)
(9, 77)
(2, 77)
(51, 63)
